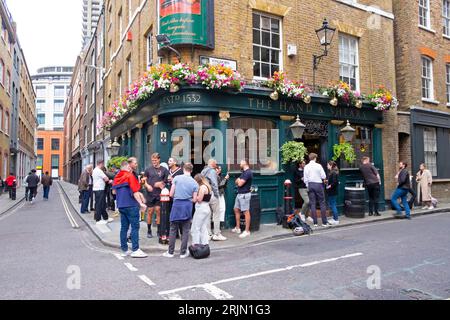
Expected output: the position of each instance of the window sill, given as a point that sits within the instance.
(448, 105)
(430, 101)
(427, 29)
(446, 36)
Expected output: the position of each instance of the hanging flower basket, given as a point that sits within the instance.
(383, 100)
(342, 93)
(286, 88)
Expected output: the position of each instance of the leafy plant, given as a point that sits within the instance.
(292, 152)
(344, 149)
(116, 162)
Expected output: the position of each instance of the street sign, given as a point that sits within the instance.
(216, 61)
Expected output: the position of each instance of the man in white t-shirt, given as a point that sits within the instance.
(99, 184)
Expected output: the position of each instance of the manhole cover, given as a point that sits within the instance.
(415, 294)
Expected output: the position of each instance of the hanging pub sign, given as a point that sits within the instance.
(187, 22)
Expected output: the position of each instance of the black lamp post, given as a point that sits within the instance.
(297, 129)
(325, 35)
(164, 41)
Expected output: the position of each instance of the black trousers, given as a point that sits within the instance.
(100, 206)
(374, 196)
(91, 196)
(174, 227)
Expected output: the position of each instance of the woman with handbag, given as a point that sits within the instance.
(424, 180)
(202, 216)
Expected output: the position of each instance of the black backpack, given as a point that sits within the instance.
(199, 251)
(298, 222)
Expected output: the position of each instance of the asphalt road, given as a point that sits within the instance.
(44, 257)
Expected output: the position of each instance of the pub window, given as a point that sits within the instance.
(362, 143)
(266, 45)
(430, 149)
(186, 122)
(427, 78)
(149, 49)
(349, 60)
(250, 148)
(424, 13)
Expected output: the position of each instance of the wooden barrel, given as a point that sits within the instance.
(355, 203)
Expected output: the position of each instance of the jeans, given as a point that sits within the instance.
(305, 198)
(317, 193)
(332, 201)
(374, 197)
(129, 217)
(46, 192)
(401, 193)
(100, 206)
(174, 226)
(85, 194)
(199, 228)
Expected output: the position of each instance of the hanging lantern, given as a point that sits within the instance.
(307, 99)
(274, 96)
(348, 132)
(174, 88)
(359, 104)
(334, 102)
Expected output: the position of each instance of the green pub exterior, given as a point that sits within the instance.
(149, 128)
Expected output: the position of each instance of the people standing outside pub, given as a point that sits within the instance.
(129, 202)
(300, 182)
(83, 187)
(210, 174)
(184, 193)
(424, 180)
(33, 183)
(223, 182)
(243, 199)
(372, 181)
(155, 179)
(333, 191)
(404, 184)
(174, 171)
(202, 216)
(47, 182)
(314, 177)
(100, 180)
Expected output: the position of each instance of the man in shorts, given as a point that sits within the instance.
(242, 204)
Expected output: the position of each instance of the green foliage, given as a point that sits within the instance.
(116, 162)
(346, 150)
(293, 152)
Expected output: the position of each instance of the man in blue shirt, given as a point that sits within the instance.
(242, 204)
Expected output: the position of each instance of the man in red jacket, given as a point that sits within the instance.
(11, 184)
(129, 202)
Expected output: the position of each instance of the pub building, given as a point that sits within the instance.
(150, 127)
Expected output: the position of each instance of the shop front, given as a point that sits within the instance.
(247, 124)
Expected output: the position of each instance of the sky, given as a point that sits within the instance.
(49, 31)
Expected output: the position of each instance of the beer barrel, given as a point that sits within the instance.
(355, 203)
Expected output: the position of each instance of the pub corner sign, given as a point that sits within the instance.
(188, 22)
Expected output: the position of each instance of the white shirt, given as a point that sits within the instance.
(314, 173)
(98, 177)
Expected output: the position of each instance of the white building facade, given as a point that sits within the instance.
(91, 14)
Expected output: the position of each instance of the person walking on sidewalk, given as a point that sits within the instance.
(202, 214)
(211, 175)
(300, 182)
(10, 184)
(129, 202)
(25, 184)
(33, 183)
(404, 184)
(223, 182)
(156, 178)
(47, 182)
(372, 181)
(99, 185)
(424, 180)
(184, 193)
(242, 204)
(333, 191)
(314, 179)
(83, 187)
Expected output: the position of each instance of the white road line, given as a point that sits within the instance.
(172, 296)
(259, 274)
(130, 267)
(217, 293)
(72, 220)
(147, 280)
(118, 256)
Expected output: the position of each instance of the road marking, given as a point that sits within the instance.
(118, 256)
(9, 213)
(207, 286)
(217, 293)
(72, 220)
(172, 296)
(147, 280)
(130, 267)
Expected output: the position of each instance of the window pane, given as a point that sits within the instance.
(275, 58)
(256, 21)
(266, 39)
(275, 25)
(265, 23)
(256, 36)
(257, 69)
(256, 53)
(275, 41)
(55, 144)
(265, 72)
(265, 55)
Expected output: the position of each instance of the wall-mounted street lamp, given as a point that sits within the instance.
(164, 41)
(113, 148)
(348, 132)
(297, 129)
(325, 35)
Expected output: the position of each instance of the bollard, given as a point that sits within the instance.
(287, 202)
(165, 217)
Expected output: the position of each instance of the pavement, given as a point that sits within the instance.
(7, 204)
(109, 234)
(52, 254)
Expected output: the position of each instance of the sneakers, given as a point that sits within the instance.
(236, 230)
(316, 226)
(110, 220)
(184, 256)
(219, 237)
(430, 208)
(102, 223)
(126, 254)
(310, 220)
(327, 225)
(425, 208)
(333, 222)
(139, 254)
(244, 235)
(167, 255)
(116, 214)
(149, 235)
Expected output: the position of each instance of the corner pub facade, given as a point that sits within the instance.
(237, 41)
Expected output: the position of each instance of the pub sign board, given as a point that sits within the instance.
(187, 22)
